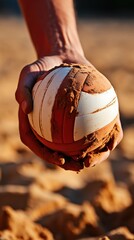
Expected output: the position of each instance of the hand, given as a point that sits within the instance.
(102, 154)
(27, 79)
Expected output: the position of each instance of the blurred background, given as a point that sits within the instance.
(97, 201)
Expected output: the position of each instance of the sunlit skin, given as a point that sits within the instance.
(52, 27)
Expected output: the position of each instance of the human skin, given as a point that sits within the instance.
(52, 27)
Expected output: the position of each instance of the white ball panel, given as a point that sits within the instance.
(49, 99)
(37, 101)
(89, 123)
(35, 88)
(30, 115)
(89, 103)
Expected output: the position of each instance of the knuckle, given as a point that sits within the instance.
(25, 69)
(24, 72)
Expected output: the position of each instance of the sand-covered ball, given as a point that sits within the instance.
(74, 110)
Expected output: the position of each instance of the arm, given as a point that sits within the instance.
(52, 26)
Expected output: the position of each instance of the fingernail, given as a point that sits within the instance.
(24, 106)
(62, 160)
(114, 145)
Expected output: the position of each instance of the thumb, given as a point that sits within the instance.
(27, 104)
(24, 98)
(27, 79)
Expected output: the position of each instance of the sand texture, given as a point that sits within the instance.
(39, 201)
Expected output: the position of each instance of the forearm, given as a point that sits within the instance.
(52, 26)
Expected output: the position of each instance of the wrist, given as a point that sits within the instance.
(61, 42)
(61, 48)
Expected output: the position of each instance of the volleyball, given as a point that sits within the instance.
(74, 109)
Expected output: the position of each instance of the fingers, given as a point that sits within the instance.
(72, 165)
(95, 158)
(119, 131)
(117, 135)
